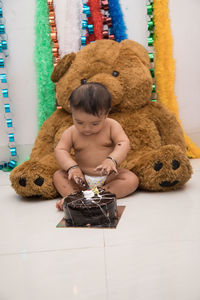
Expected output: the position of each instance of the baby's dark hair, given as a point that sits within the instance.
(92, 97)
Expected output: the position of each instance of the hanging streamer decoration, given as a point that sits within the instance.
(96, 22)
(100, 19)
(93, 21)
(67, 15)
(108, 27)
(87, 26)
(150, 42)
(119, 27)
(53, 34)
(5, 99)
(165, 64)
(44, 63)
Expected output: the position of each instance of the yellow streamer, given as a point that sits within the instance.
(165, 66)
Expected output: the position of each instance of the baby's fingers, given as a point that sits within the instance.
(70, 176)
(99, 168)
(79, 181)
(115, 170)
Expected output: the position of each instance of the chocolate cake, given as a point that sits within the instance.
(90, 207)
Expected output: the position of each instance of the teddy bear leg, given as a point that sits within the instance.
(164, 169)
(34, 179)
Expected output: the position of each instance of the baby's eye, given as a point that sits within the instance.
(115, 73)
(79, 122)
(95, 124)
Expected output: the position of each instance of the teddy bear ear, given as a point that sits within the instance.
(136, 49)
(62, 66)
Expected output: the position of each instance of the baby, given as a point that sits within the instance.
(100, 146)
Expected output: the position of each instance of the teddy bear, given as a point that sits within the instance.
(158, 150)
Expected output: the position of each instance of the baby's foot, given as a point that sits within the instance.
(60, 204)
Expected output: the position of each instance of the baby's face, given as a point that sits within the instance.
(88, 124)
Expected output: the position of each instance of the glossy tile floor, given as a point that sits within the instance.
(153, 254)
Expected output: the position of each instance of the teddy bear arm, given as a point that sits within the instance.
(34, 177)
(44, 143)
(169, 128)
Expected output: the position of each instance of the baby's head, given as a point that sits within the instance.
(92, 98)
(90, 104)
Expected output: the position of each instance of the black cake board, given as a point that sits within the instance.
(120, 210)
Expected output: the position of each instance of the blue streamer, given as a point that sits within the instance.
(7, 107)
(5, 93)
(3, 78)
(4, 97)
(13, 151)
(11, 137)
(118, 25)
(12, 164)
(2, 29)
(9, 123)
(86, 10)
(1, 63)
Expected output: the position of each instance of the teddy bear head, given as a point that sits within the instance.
(122, 67)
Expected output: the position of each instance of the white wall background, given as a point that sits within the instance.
(19, 17)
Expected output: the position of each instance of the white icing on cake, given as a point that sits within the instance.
(88, 194)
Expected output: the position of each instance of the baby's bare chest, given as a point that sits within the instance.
(92, 143)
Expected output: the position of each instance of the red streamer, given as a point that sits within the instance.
(95, 19)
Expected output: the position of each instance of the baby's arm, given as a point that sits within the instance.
(63, 148)
(63, 157)
(117, 156)
(121, 142)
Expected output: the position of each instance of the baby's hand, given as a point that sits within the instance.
(77, 175)
(106, 167)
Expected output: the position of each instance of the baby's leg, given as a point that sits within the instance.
(63, 186)
(122, 184)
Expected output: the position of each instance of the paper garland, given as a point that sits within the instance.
(161, 39)
(165, 66)
(5, 99)
(68, 16)
(44, 63)
(150, 42)
(119, 27)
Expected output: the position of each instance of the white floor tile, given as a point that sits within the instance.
(28, 225)
(158, 271)
(69, 274)
(152, 254)
(4, 178)
(156, 217)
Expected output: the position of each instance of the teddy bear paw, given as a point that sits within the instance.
(32, 179)
(164, 169)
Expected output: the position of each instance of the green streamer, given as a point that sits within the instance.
(44, 63)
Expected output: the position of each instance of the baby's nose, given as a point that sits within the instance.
(87, 127)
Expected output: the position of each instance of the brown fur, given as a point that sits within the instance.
(158, 153)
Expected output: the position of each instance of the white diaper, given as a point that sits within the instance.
(94, 181)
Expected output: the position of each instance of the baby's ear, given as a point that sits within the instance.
(62, 66)
(108, 112)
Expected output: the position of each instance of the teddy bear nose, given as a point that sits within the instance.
(83, 81)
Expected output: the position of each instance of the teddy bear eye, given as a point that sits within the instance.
(115, 73)
(83, 81)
